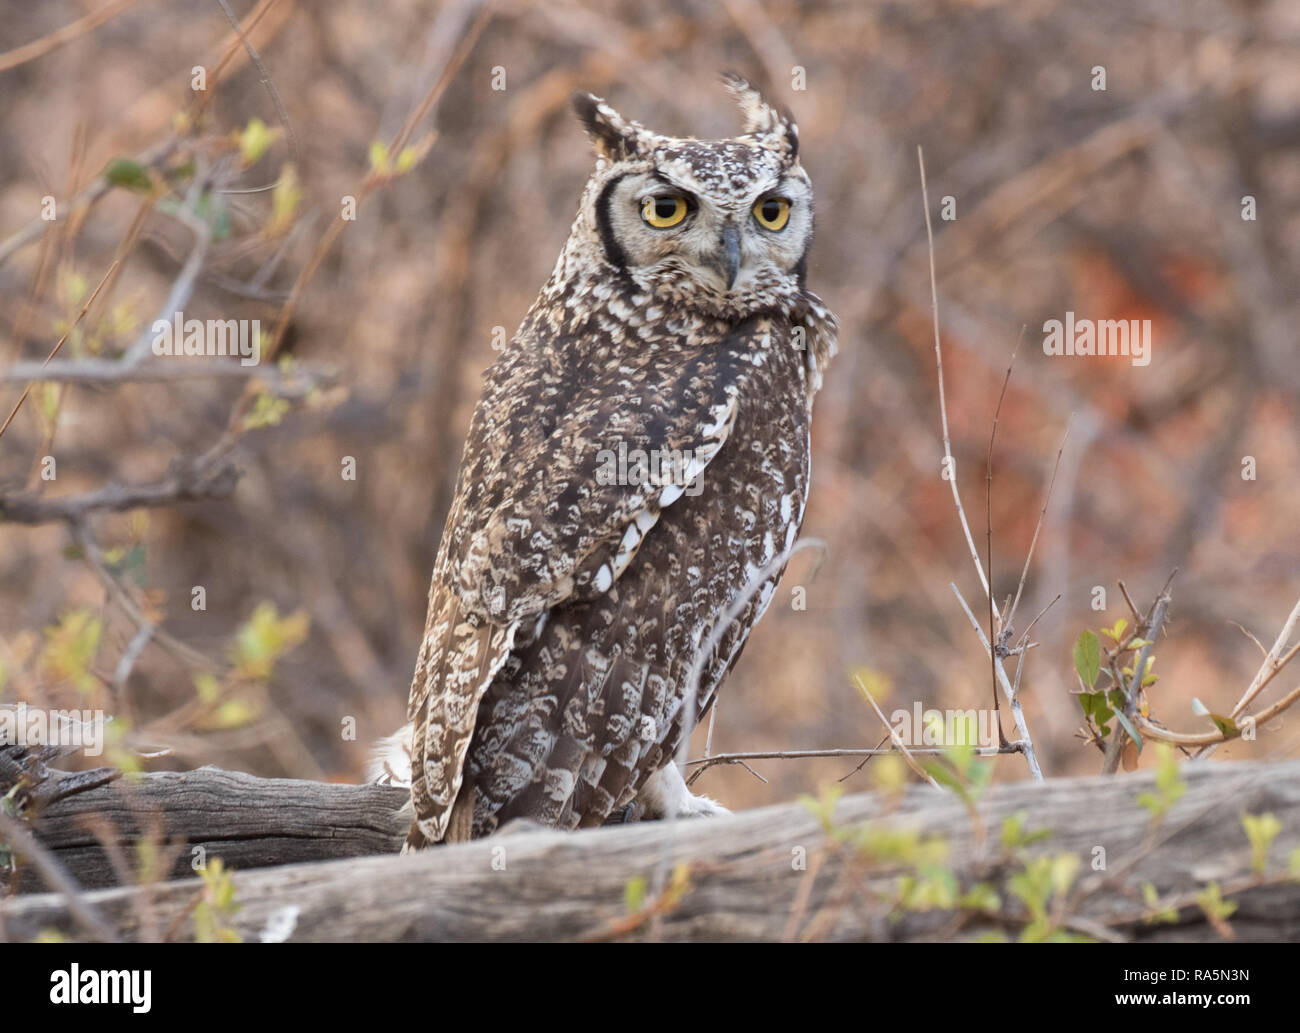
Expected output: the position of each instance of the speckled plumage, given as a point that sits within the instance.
(567, 606)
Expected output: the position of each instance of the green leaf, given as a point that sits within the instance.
(266, 637)
(1152, 900)
(981, 773)
(217, 901)
(1168, 779)
(960, 756)
(634, 894)
(1147, 677)
(212, 210)
(1212, 903)
(284, 200)
(1117, 632)
(1014, 833)
(70, 649)
(889, 774)
(822, 806)
(1261, 830)
(1169, 784)
(935, 887)
(207, 687)
(123, 172)
(1032, 885)
(1063, 870)
(73, 289)
(267, 411)
(945, 776)
(233, 713)
(1226, 725)
(1087, 658)
(905, 846)
(406, 160)
(127, 562)
(980, 897)
(50, 400)
(254, 141)
(1094, 707)
(1128, 727)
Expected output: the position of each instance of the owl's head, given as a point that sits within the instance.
(720, 226)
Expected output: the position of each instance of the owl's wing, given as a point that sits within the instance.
(459, 656)
(561, 515)
(550, 506)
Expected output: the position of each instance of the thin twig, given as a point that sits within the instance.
(296, 383)
(52, 41)
(372, 178)
(185, 655)
(950, 468)
(184, 484)
(182, 287)
(1272, 664)
(1020, 643)
(150, 158)
(1026, 743)
(950, 465)
(866, 760)
(994, 630)
(139, 350)
(1010, 614)
(912, 762)
(1208, 739)
(1115, 747)
(704, 763)
(267, 81)
(1132, 607)
(1250, 635)
(55, 350)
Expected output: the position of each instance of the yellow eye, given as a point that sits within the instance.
(664, 211)
(772, 213)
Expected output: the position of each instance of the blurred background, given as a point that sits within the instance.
(1171, 195)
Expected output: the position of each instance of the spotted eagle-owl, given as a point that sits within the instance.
(637, 464)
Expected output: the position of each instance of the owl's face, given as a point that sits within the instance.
(724, 222)
(720, 226)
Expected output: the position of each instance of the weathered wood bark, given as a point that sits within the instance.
(744, 879)
(249, 822)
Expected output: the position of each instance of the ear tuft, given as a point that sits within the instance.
(776, 128)
(614, 136)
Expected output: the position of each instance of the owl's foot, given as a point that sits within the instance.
(665, 795)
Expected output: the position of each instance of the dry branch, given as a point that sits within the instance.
(741, 882)
(186, 482)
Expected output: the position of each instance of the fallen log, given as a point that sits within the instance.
(768, 874)
(249, 822)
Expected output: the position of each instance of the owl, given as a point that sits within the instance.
(634, 476)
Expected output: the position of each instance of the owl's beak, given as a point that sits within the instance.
(726, 260)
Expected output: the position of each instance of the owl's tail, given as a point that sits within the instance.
(390, 765)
